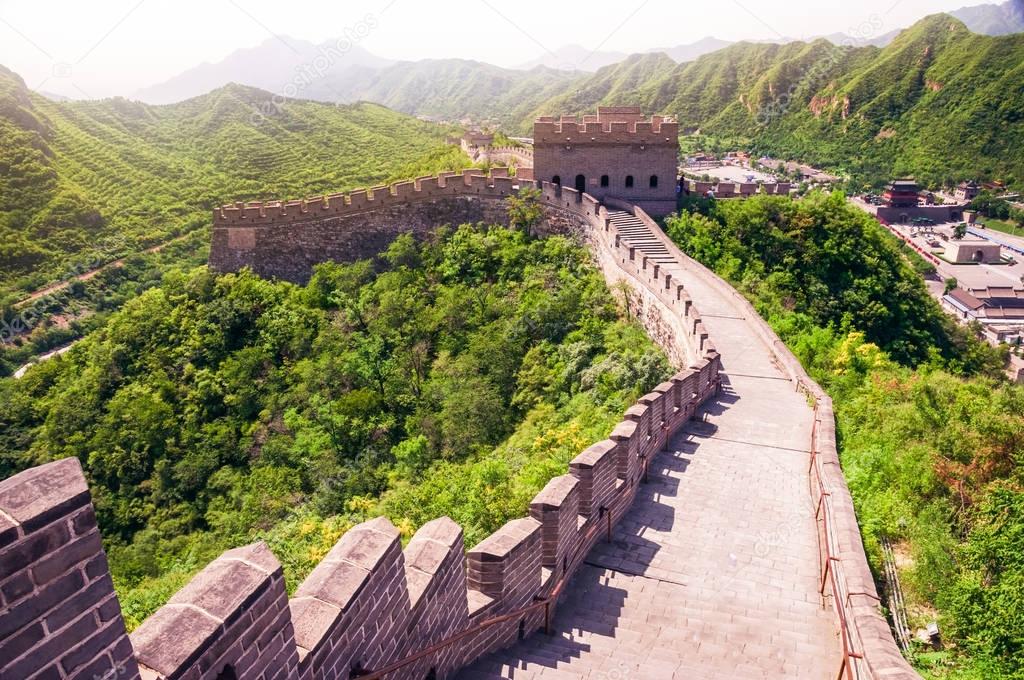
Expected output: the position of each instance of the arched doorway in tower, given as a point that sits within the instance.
(581, 183)
(557, 179)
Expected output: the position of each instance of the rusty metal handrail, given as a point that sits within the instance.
(828, 576)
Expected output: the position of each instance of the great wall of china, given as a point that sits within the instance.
(801, 604)
(723, 189)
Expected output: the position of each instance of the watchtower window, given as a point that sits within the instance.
(581, 183)
(629, 181)
(604, 180)
(557, 179)
(654, 181)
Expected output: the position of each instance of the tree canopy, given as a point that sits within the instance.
(453, 376)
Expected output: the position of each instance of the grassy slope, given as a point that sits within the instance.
(939, 101)
(77, 174)
(452, 89)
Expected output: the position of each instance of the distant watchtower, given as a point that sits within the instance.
(615, 154)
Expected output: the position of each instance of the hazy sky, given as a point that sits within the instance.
(106, 47)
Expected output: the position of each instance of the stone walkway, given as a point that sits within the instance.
(713, 572)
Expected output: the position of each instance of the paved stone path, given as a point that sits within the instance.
(713, 572)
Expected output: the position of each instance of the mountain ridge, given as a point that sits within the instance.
(76, 174)
(989, 19)
(282, 64)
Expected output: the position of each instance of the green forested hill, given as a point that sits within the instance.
(115, 176)
(938, 102)
(450, 89)
(455, 378)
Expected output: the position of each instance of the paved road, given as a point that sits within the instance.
(713, 572)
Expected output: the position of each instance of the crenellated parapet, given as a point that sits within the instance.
(234, 613)
(371, 608)
(281, 213)
(60, 617)
(736, 189)
(593, 130)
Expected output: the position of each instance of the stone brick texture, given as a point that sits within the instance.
(736, 189)
(614, 154)
(60, 617)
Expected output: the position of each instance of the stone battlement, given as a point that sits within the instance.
(600, 130)
(445, 184)
(368, 604)
(736, 189)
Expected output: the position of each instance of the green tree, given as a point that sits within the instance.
(524, 209)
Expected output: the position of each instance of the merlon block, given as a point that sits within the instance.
(39, 495)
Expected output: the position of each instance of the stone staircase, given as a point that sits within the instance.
(637, 234)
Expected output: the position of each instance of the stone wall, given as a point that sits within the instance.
(519, 156)
(369, 607)
(735, 189)
(60, 617)
(286, 239)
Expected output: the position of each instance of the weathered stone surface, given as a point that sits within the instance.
(41, 494)
(555, 492)
(313, 618)
(173, 637)
(222, 588)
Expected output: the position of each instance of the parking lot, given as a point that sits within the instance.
(973, 275)
(733, 173)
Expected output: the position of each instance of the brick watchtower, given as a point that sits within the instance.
(615, 154)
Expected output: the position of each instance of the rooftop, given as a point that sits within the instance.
(965, 299)
(998, 292)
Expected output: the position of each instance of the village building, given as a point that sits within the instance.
(999, 310)
(902, 204)
(967, 191)
(901, 193)
(973, 250)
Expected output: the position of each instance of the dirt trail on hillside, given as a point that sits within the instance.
(92, 273)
